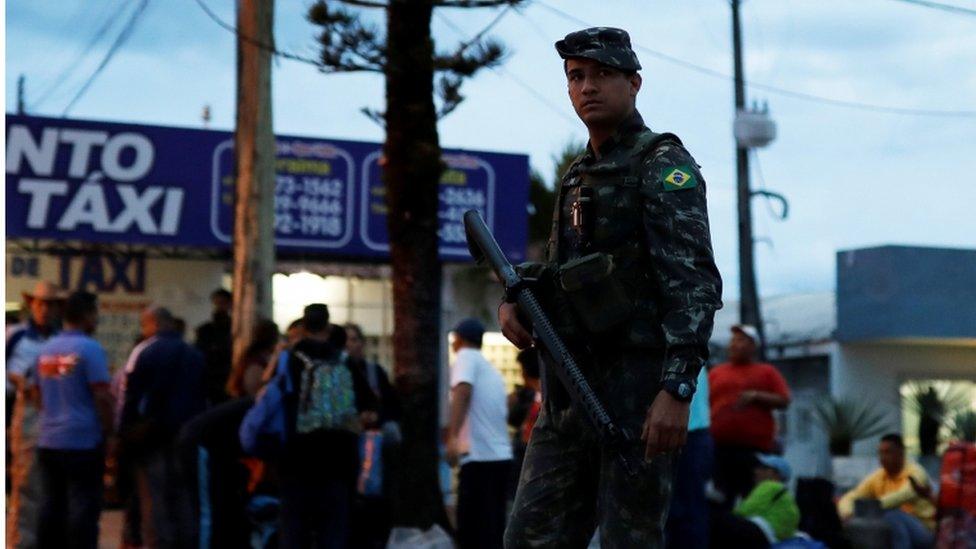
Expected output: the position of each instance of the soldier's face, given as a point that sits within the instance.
(601, 95)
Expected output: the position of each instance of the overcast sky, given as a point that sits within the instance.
(854, 178)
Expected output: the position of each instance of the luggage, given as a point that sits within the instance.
(957, 498)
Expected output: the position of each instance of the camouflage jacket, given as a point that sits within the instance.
(648, 211)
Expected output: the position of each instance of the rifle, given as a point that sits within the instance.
(484, 249)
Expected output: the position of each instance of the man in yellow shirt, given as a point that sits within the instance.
(902, 488)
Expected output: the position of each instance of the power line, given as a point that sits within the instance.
(130, 26)
(69, 69)
(535, 94)
(254, 42)
(467, 44)
(776, 89)
(504, 72)
(941, 6)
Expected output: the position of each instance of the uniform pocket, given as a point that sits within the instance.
(596, 293)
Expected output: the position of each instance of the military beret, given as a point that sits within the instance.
(605, 45)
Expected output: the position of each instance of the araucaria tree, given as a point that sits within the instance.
(416, 73)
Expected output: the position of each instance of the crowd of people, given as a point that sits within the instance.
(167, 427)
(167, 424)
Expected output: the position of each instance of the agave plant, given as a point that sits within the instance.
(934, 403)
(964, 425)
(847, 421)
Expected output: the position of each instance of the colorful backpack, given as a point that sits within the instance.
(326, 399)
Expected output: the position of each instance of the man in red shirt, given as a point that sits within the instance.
(743, 394)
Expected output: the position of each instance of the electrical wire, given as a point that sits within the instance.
(941, 6)
(506, 73)
(120, 40)
(467, 44)
(776, 89)
(69, 69)
(255, 42)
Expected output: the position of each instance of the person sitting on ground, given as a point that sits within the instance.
(767, 515)
(902, 488)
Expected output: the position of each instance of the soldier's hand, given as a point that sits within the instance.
(512, 327)
(666, 426)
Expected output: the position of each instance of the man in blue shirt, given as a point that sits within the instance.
(76, 413)
(24, 342)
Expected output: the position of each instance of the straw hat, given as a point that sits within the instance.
(45, 291)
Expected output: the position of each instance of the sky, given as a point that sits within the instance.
(854, 178)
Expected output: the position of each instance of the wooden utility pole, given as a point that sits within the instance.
(254, 146)
(749, 312)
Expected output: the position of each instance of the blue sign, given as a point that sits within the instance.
(127, 183)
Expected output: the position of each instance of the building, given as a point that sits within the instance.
(900, 313)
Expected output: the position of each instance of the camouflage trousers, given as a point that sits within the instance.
(569, 484)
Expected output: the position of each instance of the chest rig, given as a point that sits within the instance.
(597, 242)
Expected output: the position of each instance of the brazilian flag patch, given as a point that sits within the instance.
(677, 178)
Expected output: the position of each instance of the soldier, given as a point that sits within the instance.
(634, 289)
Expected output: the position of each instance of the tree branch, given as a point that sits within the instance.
(486, 54)
(378, 117)
(365, 4)
(449, 91)
(348, 45)
(474, 3)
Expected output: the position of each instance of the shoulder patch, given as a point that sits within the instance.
(676, 178)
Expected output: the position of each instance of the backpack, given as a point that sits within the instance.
(326, 399)
(263, 430)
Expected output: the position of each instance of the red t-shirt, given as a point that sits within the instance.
(750, 425)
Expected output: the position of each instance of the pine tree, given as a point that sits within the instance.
(415, 72)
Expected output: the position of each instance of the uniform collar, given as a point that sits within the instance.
(624, 133)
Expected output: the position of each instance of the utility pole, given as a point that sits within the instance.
(749, 312)
(20, 94)
(254, 147)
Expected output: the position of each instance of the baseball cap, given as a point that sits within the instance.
(748, 330)
(470, 330)
(607, 45)
(777, 463)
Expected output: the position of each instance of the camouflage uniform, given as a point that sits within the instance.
(647, 210)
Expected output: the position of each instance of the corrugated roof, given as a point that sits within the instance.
(789, 319)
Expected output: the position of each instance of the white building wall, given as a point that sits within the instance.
(874, 372)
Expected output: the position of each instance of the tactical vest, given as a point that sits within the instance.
(606, 271)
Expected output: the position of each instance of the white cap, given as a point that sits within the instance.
(750, 331)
